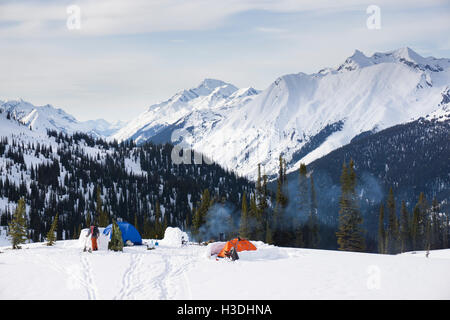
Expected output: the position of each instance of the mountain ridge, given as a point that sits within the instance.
(364, 94)
(48, 117)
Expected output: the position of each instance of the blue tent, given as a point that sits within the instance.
(129, 232)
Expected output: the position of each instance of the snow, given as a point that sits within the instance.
(4, 241)
(134, 167)
(65, 272)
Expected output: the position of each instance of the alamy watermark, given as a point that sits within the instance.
(374, 278)
(74, 19)
(373, 22)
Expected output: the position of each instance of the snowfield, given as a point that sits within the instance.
(168, 272)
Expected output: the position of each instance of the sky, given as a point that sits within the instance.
(112, 59)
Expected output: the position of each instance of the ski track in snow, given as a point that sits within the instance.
(161, 279)
(91, 289)
(131, 283)
(85, 279)
(170, 273)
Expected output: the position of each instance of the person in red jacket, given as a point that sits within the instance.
(94, 233)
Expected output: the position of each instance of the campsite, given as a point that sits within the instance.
(192, 271)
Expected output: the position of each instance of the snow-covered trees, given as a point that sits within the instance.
(87, 180)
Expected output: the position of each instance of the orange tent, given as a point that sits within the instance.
(239, 244)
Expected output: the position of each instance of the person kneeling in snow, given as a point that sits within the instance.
(94, 233)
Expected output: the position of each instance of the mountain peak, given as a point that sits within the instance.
(407, 54)
(211, 83)
(355, 61)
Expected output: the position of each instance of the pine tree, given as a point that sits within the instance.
(349, 235)
(299, 237)
(158, 225)
(435, 225)
(200, 215)
(392, 231)
(404, 228)
(418, 228)
(280, 232)
(231, 230)
(88, 220)
(244, 225)
(313, 225)
(18, 225)
(269, 239)
(445, 232)
(258, 210)
(302, 210)
(258, 222)
(303, 191)
(116, 242)
(51, 235)
(428, 236)
(147, 229)
(381, 232)
(415, 228)
(258, 186)
(164, 225)
(187, 221)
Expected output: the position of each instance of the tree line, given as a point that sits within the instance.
(75, 189)
(86, 180)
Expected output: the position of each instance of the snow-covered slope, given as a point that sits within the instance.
(329, 108)
(269, 273)
(41, 118)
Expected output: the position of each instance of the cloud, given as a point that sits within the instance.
(130, 54)
(113, 17)
(270, 30)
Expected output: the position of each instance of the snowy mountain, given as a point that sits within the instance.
(206, 104)
(302, 116)
(41, 118)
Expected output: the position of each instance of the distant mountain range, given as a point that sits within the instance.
(302, 116)
(41, 118)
